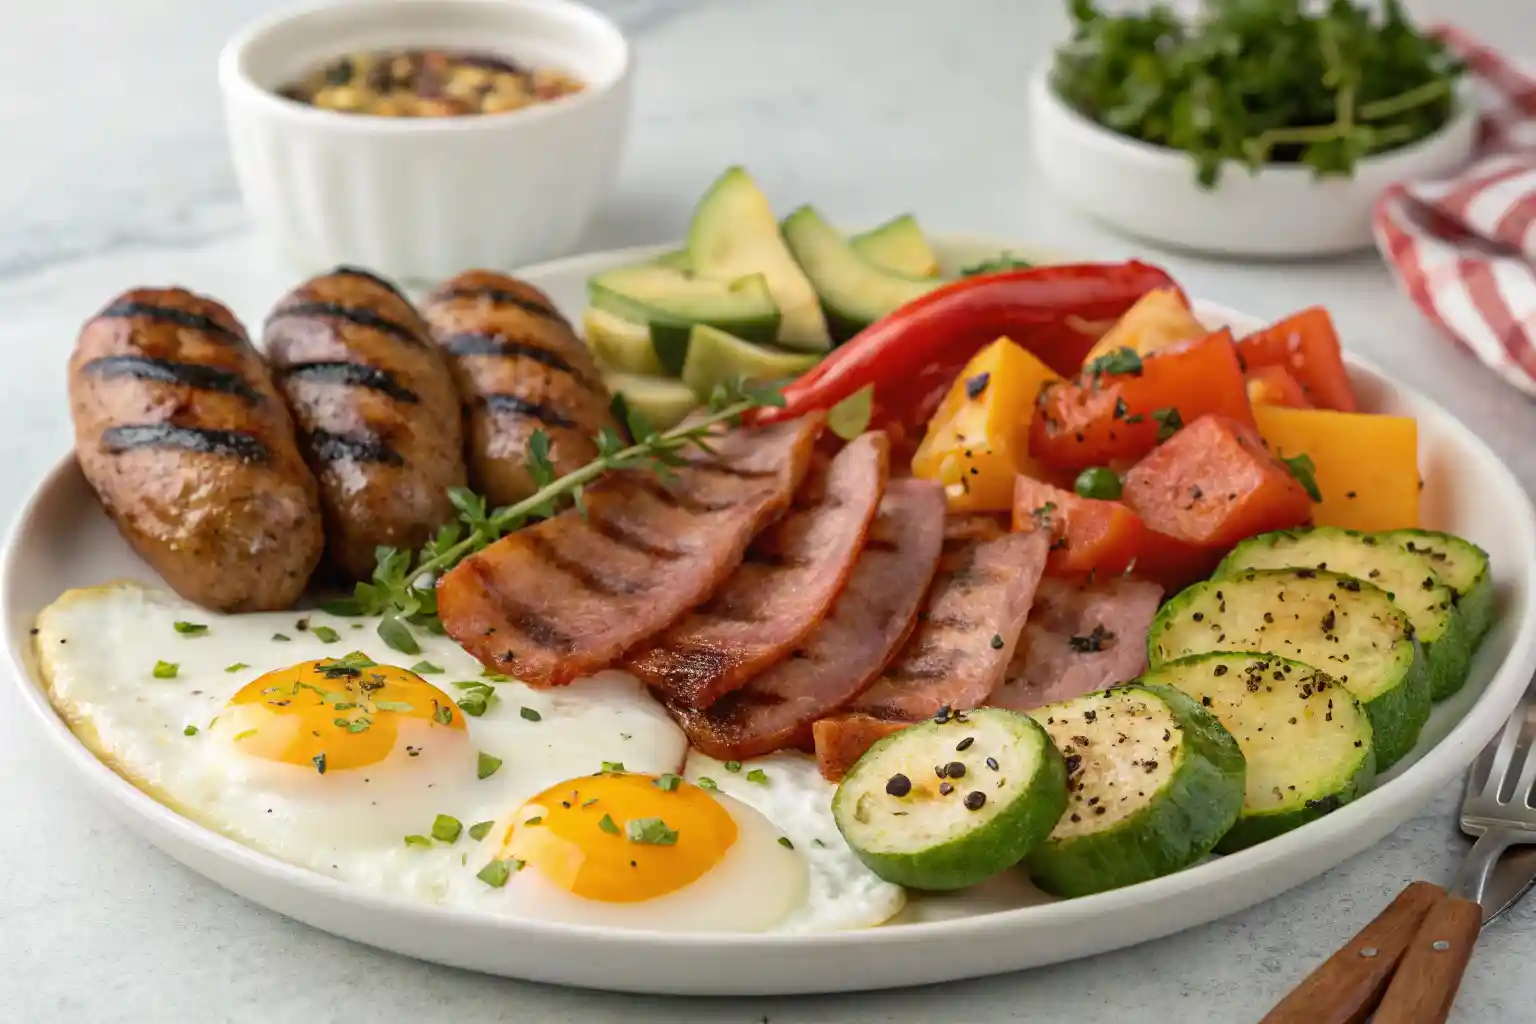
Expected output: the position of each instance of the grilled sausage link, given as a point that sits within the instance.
(520, 368)
(180, 432)
(376, 410)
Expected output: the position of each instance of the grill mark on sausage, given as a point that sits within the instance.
(166, 371)
(171, 315)
(588, 576)
(675, 499)
(625, 536)
(349, 271)
(728, 611)
(486, 343)
(353, 375)
(329, 447)
(525, 620)
(204, 440)
(352, 315)
(500, 402)
(502, 297)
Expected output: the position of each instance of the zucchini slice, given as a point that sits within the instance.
(1333, 622)
(1407, 579)
(1154, 781)
(1306, 739)
(944, 804)
(670, 301)
(1464, 568)
(619, 345)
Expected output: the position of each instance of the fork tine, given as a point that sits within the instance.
(1516, 789)
(1498, 766)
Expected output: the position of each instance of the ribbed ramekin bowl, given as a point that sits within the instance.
(424, 198)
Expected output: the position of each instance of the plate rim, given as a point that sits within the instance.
(1447, 758)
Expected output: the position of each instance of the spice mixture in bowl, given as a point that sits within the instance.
(428, 83)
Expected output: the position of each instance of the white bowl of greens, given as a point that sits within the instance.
(1246, 132)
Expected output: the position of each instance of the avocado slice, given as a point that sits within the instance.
(733, 234)
(619, 344)
(854, 292)
(715, 356)
(677, 259)
(897, 245)
(670, 301)
(662, 401)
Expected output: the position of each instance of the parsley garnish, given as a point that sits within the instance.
(418, 841)
(475, 702)
(1042, 515)
(705, 782)
(487, 765)
(1304, 471)
(613, 767)
(319, 762)
(190, 730)
(996, 265)
(480, 829)
(1120, 360)
(1169, 422)
(425, 668)
(443, 715)
(667, 782)
(529, 715)
(236, 667)
(166, 669)
(758, 776)
(325, 634)
(191, 628)
(281, 638)
(393, 705)
(784, 842)
(607, 825)
(733, 766)
(446, 828)
(496, 873)
(651, 831)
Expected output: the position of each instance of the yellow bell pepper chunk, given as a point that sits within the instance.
(978, 440)
(1157, 320)
(1366, 466)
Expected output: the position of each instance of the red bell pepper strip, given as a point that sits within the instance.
(912, 355)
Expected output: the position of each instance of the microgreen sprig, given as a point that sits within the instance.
(401, 589)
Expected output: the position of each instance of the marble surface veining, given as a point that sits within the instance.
(114, 174)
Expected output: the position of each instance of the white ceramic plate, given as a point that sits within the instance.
(61, 539)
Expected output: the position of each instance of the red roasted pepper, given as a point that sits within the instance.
(912, 355)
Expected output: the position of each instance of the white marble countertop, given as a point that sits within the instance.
(115, 174)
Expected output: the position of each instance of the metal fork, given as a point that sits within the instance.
(1407, 964)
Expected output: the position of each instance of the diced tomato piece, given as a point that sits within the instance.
(1103, 417)
(1088, 535)
(1174, 563)
(1274, 385)
(1306, 345)
(1213, 484)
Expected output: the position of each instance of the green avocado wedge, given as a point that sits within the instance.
(1154, 781)
(670, 301)
(1002, 789)
(1305, 738)
(897, 245)
(715, 356)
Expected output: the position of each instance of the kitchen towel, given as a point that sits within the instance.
(1464, 247)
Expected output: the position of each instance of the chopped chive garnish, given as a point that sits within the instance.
(242, 735)
(651, 832)
(319, 762)
(537, 819)
(667, 782)
(758, 775)
(819, 843)
(488, 765)
(496, 873)
(423, 668)
(166, 669)
(191, 628)
(236, 667)
(495, 677)
(530, 715)
(705, 782)
(608, 826)
(443, 715)
(190, 730)
(418, 841)
(394, 705)
(474, 703)
(281, 638)
(480, 829)
(446, 828)
(784, 842)
(733, 766)
(613, 767)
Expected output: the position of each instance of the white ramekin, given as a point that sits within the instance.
(1150, 192)
(424, 198)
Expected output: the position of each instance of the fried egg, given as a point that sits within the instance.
(788, 790)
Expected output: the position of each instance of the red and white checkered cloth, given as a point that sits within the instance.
(1464, 248)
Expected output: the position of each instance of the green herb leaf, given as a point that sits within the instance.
(850, 417)
(613, 767)
(474, 703)
(446, 828)
(607, 825)
(190, 730)
(705, 782)
(1169, 422)
(667, 782)
(280, 638)
(191, 628)
(418, 841)
(996, 265)
(651, 832)
(426, 668)
(480, 829)
(343, 607)
(397, 635)
(496, 873)
(1304, 471)
(393, 705)
(529, 715)
(758, 776)
(319, 762)
(784, 842)
(733, 766)
(1120, 360)
(488, 765)
(443, 715)
(166, 669)
(236, 667)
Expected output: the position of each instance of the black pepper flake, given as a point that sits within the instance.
(955, 770)
(1198, 616)
(974, 800)
(1220, 670)
(1098, 810)
(965, 744)
(997, 642)
(1073, 763)
(898, 785)
(946, 788)
(992, 763)
(974, 386)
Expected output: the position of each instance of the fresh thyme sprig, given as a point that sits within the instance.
(401, 589)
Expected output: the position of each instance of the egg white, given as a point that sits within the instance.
(843, 894)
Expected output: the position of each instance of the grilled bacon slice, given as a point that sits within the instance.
(957, 655)
(790, 576)
(570, 595)
(1080, 637)
(866, 626)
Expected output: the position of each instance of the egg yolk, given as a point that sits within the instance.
(336, 713)
(620, 838)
